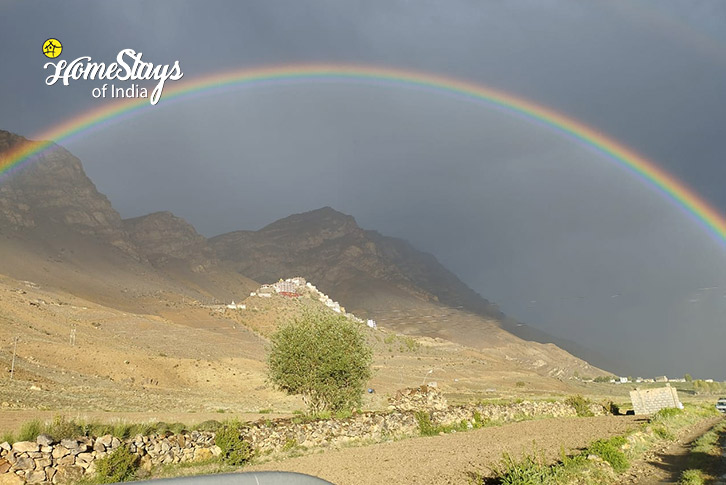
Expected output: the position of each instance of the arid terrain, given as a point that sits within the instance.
(128, 316)
(110, 320)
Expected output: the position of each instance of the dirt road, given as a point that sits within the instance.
(666, 463)
(447, 459)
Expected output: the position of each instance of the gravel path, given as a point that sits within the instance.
(447, 459)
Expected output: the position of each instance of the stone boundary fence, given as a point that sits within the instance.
(48, 461)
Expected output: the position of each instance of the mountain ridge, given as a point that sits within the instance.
(373, 275)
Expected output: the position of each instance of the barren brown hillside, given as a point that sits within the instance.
(129, 316)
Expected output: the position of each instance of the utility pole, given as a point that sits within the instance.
(15, 351)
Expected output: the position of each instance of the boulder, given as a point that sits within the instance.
(10, 479)
(25, 446)
(68, 474)
(202, 454)
(50, 473)
(4, 466)
(59, 451)
(66, 460)
(104, 441)
(37, 476)
(43, 462)
(24, 463)
(44, 440)
(70, 444)
(84, 459)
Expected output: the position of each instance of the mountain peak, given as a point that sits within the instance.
(325, 222)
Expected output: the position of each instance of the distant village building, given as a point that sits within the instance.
(236, 306)
(661, 379)
(371, 323)
(285, 287)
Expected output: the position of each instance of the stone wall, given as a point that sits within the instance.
(47, 461)
(648, 401)
(399, 421)
(67, 461)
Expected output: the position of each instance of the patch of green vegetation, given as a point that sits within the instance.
(704, 458)
(289, 444)
(692, 477)
(235, 450)
(579, 469)
(30, 430)
(427, 428)
(265, 411)
(581, 405)
(610, 450)
(528, 470)
(119, 466)
(663, 433)
(61, 428)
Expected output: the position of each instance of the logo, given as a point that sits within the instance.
(127, 66)
(52, 48)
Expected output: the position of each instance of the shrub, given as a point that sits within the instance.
(581, 405)
(235, 450)
(667, 413)
(530, 470)
(692, 477)
(322, 356)
(30, 430)
(610, 451)
(61, 428)
(425, 426)
(663, 433)
(119, 466)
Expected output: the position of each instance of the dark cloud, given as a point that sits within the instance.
(561, 237)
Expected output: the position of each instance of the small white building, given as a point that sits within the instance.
(371, 323)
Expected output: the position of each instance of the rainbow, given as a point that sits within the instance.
(654, 176)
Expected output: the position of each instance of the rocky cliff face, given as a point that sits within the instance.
(162, 236)
(55, 191)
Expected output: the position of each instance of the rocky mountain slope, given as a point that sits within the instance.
(55, 192)
(376, 276)
(162, 236)
(59, 231)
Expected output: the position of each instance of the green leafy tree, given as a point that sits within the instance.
(688, 378)
(322, 356)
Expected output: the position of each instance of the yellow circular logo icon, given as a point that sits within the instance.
(52, 48)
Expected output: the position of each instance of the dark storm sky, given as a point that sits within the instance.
(556, 234)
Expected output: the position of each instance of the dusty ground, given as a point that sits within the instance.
(447, 459)
(666, 463)
(165, 356)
